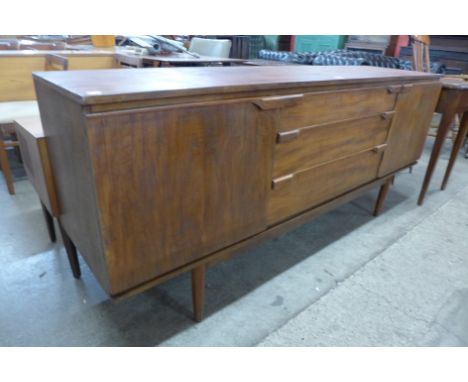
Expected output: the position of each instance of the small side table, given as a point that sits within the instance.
(453, 100)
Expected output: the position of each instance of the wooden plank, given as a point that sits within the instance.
(65, 128)
(408, 131)
(326, 142)
(316, 185)
(37, 162)
(176, 184)
(93, 87)
(16, 82)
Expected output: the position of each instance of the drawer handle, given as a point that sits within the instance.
(394, 89)
(379, 148)
(406, 88)
(278, 102)
(387, 115)
(287, 136)
(281, 181)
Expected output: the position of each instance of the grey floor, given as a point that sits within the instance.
(344, 279)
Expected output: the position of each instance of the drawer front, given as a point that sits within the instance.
(313, 145)
(323, 107)
(297, 192)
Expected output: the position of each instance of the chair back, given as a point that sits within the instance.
(421, 61)
(210, 47)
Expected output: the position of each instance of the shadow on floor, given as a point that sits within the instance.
(161, 312)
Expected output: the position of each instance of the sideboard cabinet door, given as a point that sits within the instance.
(410, 125)
(176, 184)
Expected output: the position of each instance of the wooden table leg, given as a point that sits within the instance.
(382, 196)
(444, 126)
(198, 292)
(5, 167)
(50, 223)
(459, 140)
(71, 252)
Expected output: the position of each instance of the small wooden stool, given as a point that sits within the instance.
(36, 162)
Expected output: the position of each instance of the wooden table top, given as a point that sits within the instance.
(185, 58)
(41, 53)
(102, 86)
(449, 83)
(32, 125)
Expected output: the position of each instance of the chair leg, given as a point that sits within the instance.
(462, 130)
(50, 223)
(444, 126)
(5, 167)
(71, 252)
(382, 196)
(198, 292)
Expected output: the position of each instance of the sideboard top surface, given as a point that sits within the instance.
(90, 87)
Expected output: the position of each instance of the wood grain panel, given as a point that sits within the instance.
(91, 62)
(177, 184)
(16, 82)
(164, 83)
(323, 107)
(36, 161)
(307, 147)
(311, 187)
(65, 128)
(410, 125)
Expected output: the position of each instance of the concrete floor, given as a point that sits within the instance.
(344, 279)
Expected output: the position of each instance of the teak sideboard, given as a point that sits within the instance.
(162, 171)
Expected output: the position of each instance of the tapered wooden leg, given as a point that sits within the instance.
(382, 196)
(198, 292)
(444, 126)
(71, 252)
(459, 140)
(49, 222)
(5, 167)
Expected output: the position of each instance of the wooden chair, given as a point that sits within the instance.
(422, 63)
(421, 60)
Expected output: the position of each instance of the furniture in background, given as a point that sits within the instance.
(368, 43)
(16, 67)
(9, 111)
(210, 47)
(396, 43)
(421, 60)
(36, 162)
(451, 51)
(220, 159)
(453, 100)
(317, 43)
(183, 59)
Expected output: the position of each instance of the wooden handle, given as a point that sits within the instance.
(287, 136)
(56, 62)
(278, 102)
(406, 88)
(379, 148)
(387, 115)
(281, 181)
(394, 89)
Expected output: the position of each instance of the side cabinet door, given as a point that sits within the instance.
(413, 113)
(176, 184)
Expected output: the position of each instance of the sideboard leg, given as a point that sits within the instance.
(50, 223)
(382, 196)
(71, 252)
(198, 292)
